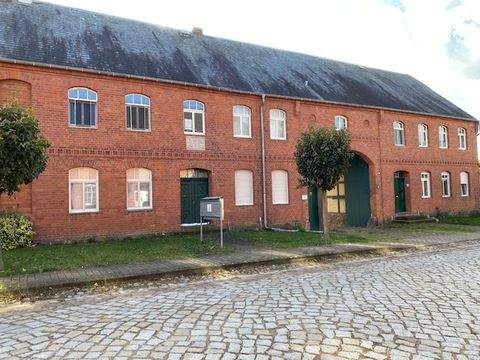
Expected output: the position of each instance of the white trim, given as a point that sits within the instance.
(465, 183)
(447, 178)
(422, 128)
(422, 180)
(345, 122)
(83, 181)
(442, 130)
(149, 129)
(193, 112)
(459, 136)
(400, 129)
(78, 98)
(241, 116)
(277, 120)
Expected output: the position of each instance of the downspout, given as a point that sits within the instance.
(264, 191)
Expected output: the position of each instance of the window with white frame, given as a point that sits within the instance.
(278, 124)
(139, 189)
(445, 177)
(137, 110)
(443, 137)
(82, 107)
(242, 121)
(243, 187)
(425, 179)
(462, 138)
(83, 190)
(193, 117)
(398, 133)
(464, 189)
(279, 187)
(340, 122)
(422, 135)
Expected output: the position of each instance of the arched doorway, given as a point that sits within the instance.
(400, 179)
(193, 187)
(357, 193)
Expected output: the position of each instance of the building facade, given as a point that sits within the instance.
(134, 154)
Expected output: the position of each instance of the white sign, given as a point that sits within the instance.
(195, 142)
(304, 197)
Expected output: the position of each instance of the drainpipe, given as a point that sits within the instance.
(264, 191)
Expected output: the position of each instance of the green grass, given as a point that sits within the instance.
(280, 239)
(45, 258)
(472, 220)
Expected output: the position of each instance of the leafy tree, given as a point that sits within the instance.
(22, 149)
(323, 156)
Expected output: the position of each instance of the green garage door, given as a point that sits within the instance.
(357, 193)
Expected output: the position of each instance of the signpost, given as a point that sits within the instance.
(211, 208)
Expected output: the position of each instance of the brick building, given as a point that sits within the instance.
(145, 120)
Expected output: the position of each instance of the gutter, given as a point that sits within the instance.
(218, 88)
(264, 188)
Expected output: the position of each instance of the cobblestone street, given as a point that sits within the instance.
(415, 306)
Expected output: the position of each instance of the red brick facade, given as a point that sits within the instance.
(112, 149)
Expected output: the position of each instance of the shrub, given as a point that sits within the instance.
(16, 230)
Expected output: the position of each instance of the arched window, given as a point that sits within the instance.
(139, 189)
(462, 138)
(278, 126)
(398, 133)
(443, 137)
(340, 122)
(464, 188)
(193, 117)
(279, 187)
(243, 187)
(425, 179)
(83, 190)
(445, 178)
(241, 121)
(83, 107)
(422, 135)
(137, 112)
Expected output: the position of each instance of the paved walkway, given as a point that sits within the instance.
(419, 306)
(240, 256)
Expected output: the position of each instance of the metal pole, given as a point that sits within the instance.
(221, 232)
(201, 228)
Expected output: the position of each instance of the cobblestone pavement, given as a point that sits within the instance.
(415, 306)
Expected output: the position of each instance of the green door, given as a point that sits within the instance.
(357, 193)
(313, 210)
(192, 191)
(400, 203)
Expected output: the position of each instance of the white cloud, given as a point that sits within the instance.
(409, 36)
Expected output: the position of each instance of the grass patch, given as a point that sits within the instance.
(471, 220)
(43, 258)
(280, 239)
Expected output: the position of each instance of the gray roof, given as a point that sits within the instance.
(56, 35)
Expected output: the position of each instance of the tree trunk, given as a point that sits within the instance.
(324, 213)
(1, 257)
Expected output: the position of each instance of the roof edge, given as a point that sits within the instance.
(217, 88)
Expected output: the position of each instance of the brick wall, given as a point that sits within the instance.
(111, 149)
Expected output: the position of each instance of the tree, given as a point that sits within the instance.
(23, 149)
(323, 156)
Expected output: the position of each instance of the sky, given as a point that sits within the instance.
(436, 41)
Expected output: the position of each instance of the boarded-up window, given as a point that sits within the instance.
(279, 187)
(336, 198)
(243, 187)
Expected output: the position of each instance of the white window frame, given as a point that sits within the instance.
(462, 134)
(82, 181)
(199, 108)
(137, 182)
(442, 131)
(464, 176)
(242, 112)
(91, 97)
(275, 119)
(423, 135)
(237, 201)
(399, 126)
(425, 178)
(445, 176)
(284, 175)
(139, 100)
(340, 122)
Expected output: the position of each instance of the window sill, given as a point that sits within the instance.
(280, 139)
(83, 212)
(241, 137)
(446, 196)
(243, 205)
(149, 131)
(400, 145)
(83, 127)
(194, 134)
(426, 197)
(280, 204)
(134, 210)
